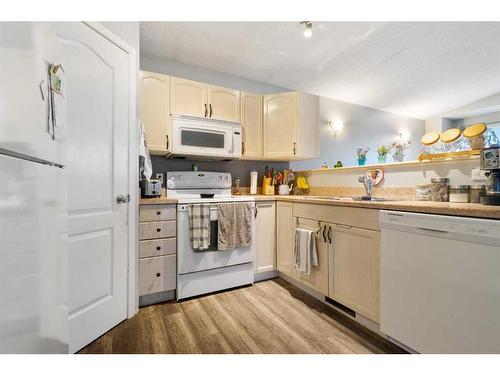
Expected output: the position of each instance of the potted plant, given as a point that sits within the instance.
(361, 152)
(399, 150)
(382, 152)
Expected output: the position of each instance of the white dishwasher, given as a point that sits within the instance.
(440, 282)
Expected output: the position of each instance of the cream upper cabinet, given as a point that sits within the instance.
(291, 126)
(188, 97)
(251, 123)
(154, 111)
(355, 269)
(285, 238)
(265, 254)
(223, 103)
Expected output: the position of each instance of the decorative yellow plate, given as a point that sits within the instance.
(475, 130)
(450, 135)
(429, 138)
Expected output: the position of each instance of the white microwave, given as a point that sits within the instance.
(205, 138)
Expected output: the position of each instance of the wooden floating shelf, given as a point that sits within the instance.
(437, 158)
(449, 155)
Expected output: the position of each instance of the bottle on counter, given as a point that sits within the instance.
(459, 194)
(476, 192)
(439, 189)
(253, 182)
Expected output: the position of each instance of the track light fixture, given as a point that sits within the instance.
(308, 28)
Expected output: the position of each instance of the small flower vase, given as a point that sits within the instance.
(382, 159)
(398, 157)
(361, 161)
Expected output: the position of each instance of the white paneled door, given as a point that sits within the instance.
(97, 91)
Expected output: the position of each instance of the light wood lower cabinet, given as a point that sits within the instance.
(354, 269)
(157, 250)
(318, 277)
(265, 256)
(285, 238)
(349, 257)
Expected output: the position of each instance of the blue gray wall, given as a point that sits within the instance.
(363, 127)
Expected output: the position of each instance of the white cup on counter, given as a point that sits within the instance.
(284, 190)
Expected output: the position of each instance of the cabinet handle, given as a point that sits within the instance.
(329, 234)
(242, 148)
(324, 235)
(158, 274)
(158, 212)
(167, 141)
(256, 210)
(210, 105)
(343, 226)
(206, 110)
(158, 229)
(158, 248)
(294, 148)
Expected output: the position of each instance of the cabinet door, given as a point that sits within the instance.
(265, 257)
(355, 269)
(251, 124)
(280, 124)
(224, 103)
(318, 278)
(154, 111)
(188, 97)
(285, 238)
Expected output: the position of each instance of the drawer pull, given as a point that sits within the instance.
(158, 212)
(158, 229)
(158, 274)
(158, 248)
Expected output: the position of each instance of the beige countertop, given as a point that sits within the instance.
(440, 208)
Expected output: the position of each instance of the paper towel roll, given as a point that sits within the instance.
(253, 182)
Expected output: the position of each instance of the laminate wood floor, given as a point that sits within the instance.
(271, 316)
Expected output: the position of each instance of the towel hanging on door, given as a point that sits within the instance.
(305, 252)
(234, 226)
(199, 226)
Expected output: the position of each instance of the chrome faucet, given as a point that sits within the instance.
(367, 183)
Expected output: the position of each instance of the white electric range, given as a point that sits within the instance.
(200, 272)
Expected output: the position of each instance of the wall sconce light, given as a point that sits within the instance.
(404, 136)
(336, 126)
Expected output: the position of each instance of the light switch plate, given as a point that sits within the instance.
(478, 175)
(160, 176)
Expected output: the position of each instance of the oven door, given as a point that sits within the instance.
(205, 138)
(190, 261)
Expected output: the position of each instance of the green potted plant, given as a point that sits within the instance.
(382, 152)
(361, 152)
(399, 150)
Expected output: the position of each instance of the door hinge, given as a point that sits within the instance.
(294, 148)
(167, 141)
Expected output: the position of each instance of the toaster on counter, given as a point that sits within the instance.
(150, 188)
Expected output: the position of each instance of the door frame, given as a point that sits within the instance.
(133, 167)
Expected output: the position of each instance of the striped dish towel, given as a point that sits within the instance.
(199, 226)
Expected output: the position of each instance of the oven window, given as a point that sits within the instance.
(202, 139)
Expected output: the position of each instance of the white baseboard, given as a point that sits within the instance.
(261, 276)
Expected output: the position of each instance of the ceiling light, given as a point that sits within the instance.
(308, 31)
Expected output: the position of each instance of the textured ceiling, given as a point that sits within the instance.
(416, 69)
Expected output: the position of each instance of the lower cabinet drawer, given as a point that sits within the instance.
(157, 274)
(159, 229)
(152, 248)
(157, 212)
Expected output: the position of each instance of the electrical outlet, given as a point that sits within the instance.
(160, 177)
(478, 174)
